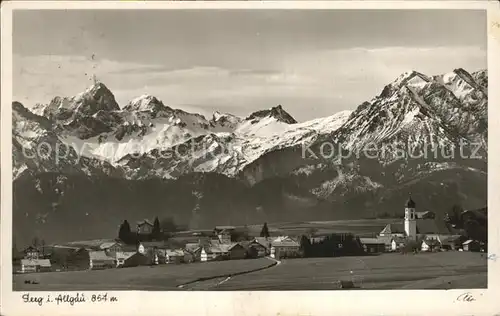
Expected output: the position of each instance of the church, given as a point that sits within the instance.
(414, 227)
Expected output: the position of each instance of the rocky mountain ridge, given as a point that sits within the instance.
(147, 159)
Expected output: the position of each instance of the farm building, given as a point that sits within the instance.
(236, 251)
(195, 250)
(219, 229)
(77, 259)
(430, 245)
(254, 249)
(174, 256)
(35, 265)
(222, 251)
(471, 245)
(425, 215)
(100, 260)
(121, 257)
(32, 253)
(387, 240)
(373, 245)
(284, 247)
(450, 242)
(111, 248)
(398, 243)
(264, 241)
(212, 253)
(144, 227)
(224, 233)
(135, 260)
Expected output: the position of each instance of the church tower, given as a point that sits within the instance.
(410, 220)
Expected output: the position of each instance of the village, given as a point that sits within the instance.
(418, 232)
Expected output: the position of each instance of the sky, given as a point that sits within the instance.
(314, 63)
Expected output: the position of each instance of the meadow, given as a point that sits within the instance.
(444, 270)
(161, 277)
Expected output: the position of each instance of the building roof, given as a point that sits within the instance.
(285, 243)
(371, 241)
(174, 252)
(144, 222)
(217, 247)
(107, 245)
(432, 226)
(425, 214)
(192, 247)
(233, 245)
(469, 241)
(448, 239)
(89, 244)
(99, 255)
(36, 262)
(282, 238)
(246, 243)
(394, 228)
(431, 242)
(399, 239)
(424, 226)
(125, 254)
(385, 239)
(410, 203)
(157, 244)
(263, 241)
(225, 227)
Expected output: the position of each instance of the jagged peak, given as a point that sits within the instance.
(18, 106)
(19, 111)
(100, 97)
(276, 112)
(402, 81)
(98, 87)
(224, 117)
(145, 102)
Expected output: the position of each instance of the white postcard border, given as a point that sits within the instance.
(373, 302)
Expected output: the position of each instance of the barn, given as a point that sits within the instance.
(373, 245)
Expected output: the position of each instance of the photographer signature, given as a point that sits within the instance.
(466, 297)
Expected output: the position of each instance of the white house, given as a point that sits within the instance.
(35, 265)
(284, 247)
(397, 243)
(430, 245)
(100, 260)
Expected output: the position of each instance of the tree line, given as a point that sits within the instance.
(161, 231)
(333, 245)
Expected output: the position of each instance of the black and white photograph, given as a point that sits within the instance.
(249, 150)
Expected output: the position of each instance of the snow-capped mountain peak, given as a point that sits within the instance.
(412, 106)
(276, 112)
(145, 102)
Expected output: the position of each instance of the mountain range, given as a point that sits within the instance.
(83, 164)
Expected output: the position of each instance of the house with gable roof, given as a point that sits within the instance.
(284, 247)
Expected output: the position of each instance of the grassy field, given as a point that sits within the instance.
(357, 227)
(387, 271)
(161, 277)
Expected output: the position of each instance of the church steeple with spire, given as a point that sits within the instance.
(410, 219)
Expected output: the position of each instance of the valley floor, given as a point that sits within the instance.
(445, 270)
